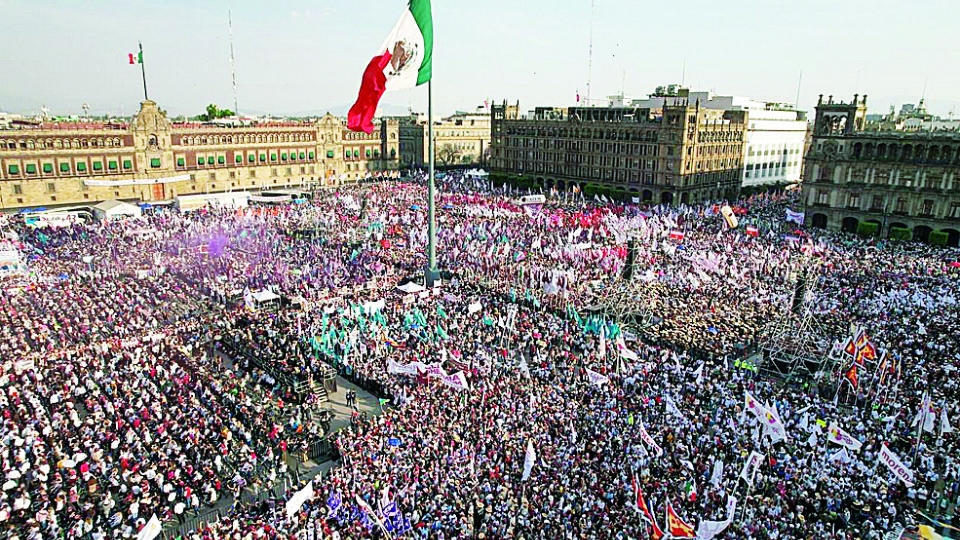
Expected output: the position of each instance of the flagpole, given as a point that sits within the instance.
(143, 72)
(430, 274)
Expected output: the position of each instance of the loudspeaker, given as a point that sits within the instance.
(798, 292)
(627, 272)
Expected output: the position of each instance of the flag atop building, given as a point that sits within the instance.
(404, 60)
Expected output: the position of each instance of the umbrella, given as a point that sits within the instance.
(68, 463)
(414, 207)
(79, 457)
(955, 264)
(13, 475)
(9, 485)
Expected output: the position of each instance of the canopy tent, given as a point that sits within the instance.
(411, 287)
(110, 210)
(259, 299)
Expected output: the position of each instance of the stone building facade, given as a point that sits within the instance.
(680, 153)
(153, 160)
(895, 179)
(462, 138)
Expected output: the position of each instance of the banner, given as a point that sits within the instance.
(841, 437)
(458, 380)
(649, 440)
(707, 530)
(298, 498)
(400, 369)
(597, 378)
(529, 460)
(136, 181)
(796, 217)
(751, 466)
(896, 466)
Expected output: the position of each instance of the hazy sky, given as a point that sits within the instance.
(300, 55)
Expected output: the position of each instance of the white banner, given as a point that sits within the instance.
(136, 181)
(841, 437)
(899, 470)
(796, 217)
(649, 440)
(597, 378)
(529, 460)
(751, 466)
(458, 380)
(773, 425)
(707, 530)
(298, 498)
(400, 369)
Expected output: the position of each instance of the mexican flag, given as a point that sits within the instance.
(403, 61)
(135, 58)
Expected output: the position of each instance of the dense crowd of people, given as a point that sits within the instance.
(144, 375)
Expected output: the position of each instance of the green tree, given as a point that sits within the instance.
(214, 112)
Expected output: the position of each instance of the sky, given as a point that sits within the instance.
(299, 56)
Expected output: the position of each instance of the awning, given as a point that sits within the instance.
(329, 153)
(13, 169)
(239, 158)
(112, 165)
(31, 168)
(302, 155)
(98, 165)
(64, 167)
(155, 162)
(81, 166)
(48, 167)
(221, 160)
(126, 164)
(210, 160)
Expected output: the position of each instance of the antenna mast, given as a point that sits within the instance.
(590, 55)
(233, 65)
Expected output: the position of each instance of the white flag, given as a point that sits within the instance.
(717, 474)
(773, 425)
(298, 498)
(754, 406)
(840, 455)
(841, 437)
(596, 378)
(645, 437)
(892, 462)
(151, 529)
(751, 466)
(945, 426)
(529, 460)
(672, 409)
(457, 380)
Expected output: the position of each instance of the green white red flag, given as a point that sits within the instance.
(404, 60)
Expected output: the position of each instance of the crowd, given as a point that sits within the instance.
(139, 380)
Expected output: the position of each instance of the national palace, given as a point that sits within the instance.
(152, 159)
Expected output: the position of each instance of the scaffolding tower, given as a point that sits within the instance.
(796, 345)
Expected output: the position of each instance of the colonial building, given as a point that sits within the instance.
(152, 160)
(462, 138)
(775, 139)
(894, 179)
(681, 152)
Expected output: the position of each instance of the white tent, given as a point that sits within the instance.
(110, 210)
(411, 288)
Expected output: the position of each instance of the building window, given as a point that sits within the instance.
(81, 166)
(51, 187)
(239, 158)
(253, 173)
(251, 158)
(126, 164)
(112, 165)
(901, 205)
(98, 165)
(221, 160)
(263, 157)
(155, 163)
(927, 208)
(180, 162)
(17, 189)
(47, 168)
(13, 169)
(31, 168)
(273, 157)
(954, 210)
(200, 161)
(823, 198)
(210, 160)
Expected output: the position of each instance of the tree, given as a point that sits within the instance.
(214, 112)
(447, 155)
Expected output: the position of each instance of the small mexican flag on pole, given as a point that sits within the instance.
(135, 58)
